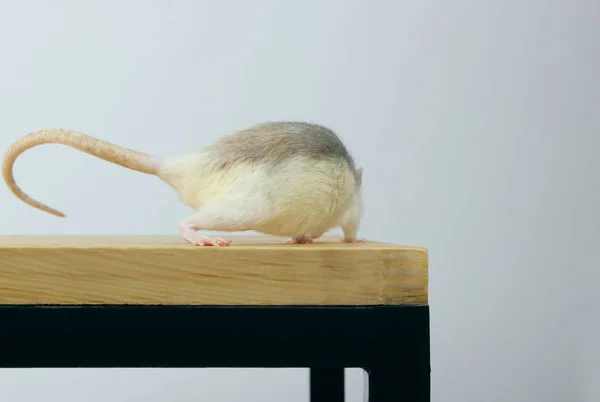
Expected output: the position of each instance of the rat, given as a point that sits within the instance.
(283, 178)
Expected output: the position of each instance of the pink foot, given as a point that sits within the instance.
(353, 240)
(299, 240)
(213, 241)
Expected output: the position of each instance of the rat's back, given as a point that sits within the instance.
(274, 143)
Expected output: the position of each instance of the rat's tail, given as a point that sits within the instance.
(104, 150)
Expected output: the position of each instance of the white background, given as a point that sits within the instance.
(476, 123)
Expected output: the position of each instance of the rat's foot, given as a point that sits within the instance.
(221, 217)
(189, 234)
(344, 240)
(213, 241)
(299, 240)
(197, 240)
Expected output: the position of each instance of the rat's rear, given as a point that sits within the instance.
(283, 178)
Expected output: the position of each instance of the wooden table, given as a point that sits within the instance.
(155, 301)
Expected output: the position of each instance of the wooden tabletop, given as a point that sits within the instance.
(165, 270)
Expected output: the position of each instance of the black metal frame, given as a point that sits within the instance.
(390, 342)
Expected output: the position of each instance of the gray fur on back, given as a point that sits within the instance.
(274, 142)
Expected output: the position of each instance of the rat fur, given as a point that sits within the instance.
(291, 179)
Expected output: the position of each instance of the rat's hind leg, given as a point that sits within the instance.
(351, 222)
(189, 227)
(350, 231)
(217, 218)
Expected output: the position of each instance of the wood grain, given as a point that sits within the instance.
(255, 270)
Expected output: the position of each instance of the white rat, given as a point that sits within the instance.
(290, 179)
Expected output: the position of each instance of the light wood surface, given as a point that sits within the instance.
(254, 270)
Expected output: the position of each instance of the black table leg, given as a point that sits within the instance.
(395, 384)
(390, 342)
(326, 385)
